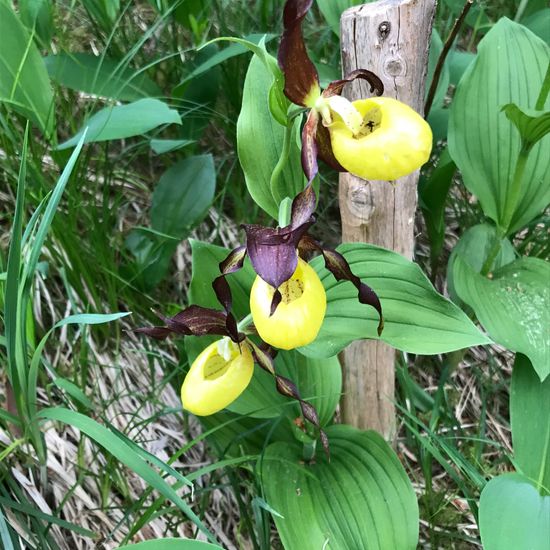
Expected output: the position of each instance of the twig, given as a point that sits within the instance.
(446, 48)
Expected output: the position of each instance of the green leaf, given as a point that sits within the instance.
(171, 544)
(474, 247)
(24, 82)
(180, 201)
(513, 306)
(38, 15)
(417, 318)
(529, 414)
(532, 125)
(512, 515)
(161, 146)
(318, 380)
(539, 23)
(260, 143)
(5, 536)
(125, 454)
(100, 76)
(332, 11)
(361, 499)
(458, 61)
(433, 193)
(509, 68)
(122, 121)
(183, 195)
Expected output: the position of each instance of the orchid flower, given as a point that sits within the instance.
(377, 139)
(287, 300)
(224, 369)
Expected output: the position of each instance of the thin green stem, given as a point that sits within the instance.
(510, 206)
(283, 159)
(244, 322)
(544, 91)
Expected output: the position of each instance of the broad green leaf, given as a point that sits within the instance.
(513, 515)
(180, 201)
(125, 454)
(529, 414)
(417, 318)
(458, 61)
(332, 11)
(100, 76)
(260, 143)
(161, 146)
(474, 246)
(532, 125)
(513, 306)
(433, 191)
(361, 499)
(318, 380)
(24, 82)
(38, 15)
(539, 23)
(171, 544)
(509, 68)
(122, 121)
(530, 8)
(183, 195)
(231, 434)
(436, 47)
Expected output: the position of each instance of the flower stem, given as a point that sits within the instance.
(244, 322)
(283, 159)
(510, 206)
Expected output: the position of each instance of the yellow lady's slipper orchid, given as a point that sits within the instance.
(378, 138)
(299, 316)
(217, 377)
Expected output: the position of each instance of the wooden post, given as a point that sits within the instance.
(391, 38)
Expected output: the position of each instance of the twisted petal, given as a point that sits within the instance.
(301, 77)
(336, 86)
(194, 321)
(339, 267)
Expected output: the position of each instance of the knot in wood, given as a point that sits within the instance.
(395, 66)
(384, 29)
(360, 201)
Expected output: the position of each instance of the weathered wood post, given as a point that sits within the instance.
(391, 38)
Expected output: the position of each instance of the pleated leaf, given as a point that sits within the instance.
(530, 414)
(260, 143)
(361, 499)
(417, 318)
(509, 68)
(513, 515)
(513, 306)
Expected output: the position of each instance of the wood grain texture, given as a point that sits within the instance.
(391, 38)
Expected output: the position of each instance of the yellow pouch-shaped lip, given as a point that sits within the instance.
(395, 140)
(217, 377)
(299, 316)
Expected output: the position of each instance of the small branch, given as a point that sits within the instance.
(444, 52)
